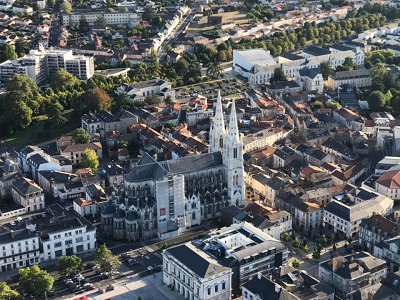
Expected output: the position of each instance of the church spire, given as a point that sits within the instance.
(233, 133)
(217, 132)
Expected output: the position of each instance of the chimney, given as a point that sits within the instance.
(277, 288)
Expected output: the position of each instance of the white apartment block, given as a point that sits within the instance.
(111, 18)
(28, 194)
(66, 237)
(194, 274)
(40, 65)
(18, 249)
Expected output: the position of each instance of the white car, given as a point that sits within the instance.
(12, 223)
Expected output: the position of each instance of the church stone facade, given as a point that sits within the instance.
(165, 198)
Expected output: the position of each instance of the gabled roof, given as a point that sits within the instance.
(26, 186)
(391, 179)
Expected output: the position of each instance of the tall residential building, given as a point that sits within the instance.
(40, 65)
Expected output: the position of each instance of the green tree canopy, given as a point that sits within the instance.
(6, 292)
(296, 263)
(80, 136)
(16, 111)
(90, 159)
(69, 265)
(106, 260)
(63, 80)
(24, 88)
(326, 68)
(66, 7)
(376, 101)
(150, 100)
(35, 281)
(10, 52)
(279, 75)
(97, 99)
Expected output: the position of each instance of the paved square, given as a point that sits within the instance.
(131, 287)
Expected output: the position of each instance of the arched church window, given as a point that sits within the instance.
(221, 142)
(235, 152)
(193, 216)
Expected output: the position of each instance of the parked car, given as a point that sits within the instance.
(105, 275)
(110, 287)
(133, 262)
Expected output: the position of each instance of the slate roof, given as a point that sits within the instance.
(146, 172)
(58, 176)
(193, 163)
(265, 289)
(341, 47)
(25, 186)
(198, 262)
(338, 146)
(279, 85)
(38, 159)
(316, 51)
(311, 73)
(18, 235)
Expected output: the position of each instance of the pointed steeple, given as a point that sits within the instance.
(217, 132)
(233, 132)
(219, 115)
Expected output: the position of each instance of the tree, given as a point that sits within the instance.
(55, 110)
(106, 260)
(182, 67)
(16, 111)
(326, 68)
(214, 69)
(51, 3)
(10, 52)
(80, 136)
(150, 100)
(279, 75)
(35, 281)
(83, 24)
(90, 159)
(305, 249)
(6, 292)
(376, 101)
(296, 243)
(148, 14)
(69, 265)
(63, 80)
(349, 64)
(333, 105)
(23, 88)
(66, 7)
(286, 237)
(100, 21)
(296, 263)
(316, 254)
(97, 99)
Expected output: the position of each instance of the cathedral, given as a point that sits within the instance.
(163, 199)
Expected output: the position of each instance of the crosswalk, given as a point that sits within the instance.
(116, 246)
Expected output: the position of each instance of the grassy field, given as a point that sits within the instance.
(42, 130)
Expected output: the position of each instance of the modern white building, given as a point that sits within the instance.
(195, 274)
(111, 18)
(40, 65)
(18, 249)
(27, 193)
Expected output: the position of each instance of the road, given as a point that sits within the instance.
(162, 53)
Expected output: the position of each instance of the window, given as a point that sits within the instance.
(68, 242)
(216, 288)
(208, 291)
(58, 244)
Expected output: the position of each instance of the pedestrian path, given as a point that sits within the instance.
(116, 246)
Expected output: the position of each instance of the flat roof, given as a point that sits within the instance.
(259, 57)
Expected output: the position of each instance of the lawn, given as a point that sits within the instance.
(42, 130)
